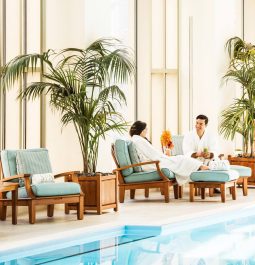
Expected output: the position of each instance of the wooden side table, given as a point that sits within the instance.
(13, 187)
(100, 193)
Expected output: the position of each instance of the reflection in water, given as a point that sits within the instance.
(226, 243)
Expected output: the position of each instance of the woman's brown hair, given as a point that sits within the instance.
(137, 128)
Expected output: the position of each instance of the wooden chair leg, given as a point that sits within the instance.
(132, 194)
(166, 192)
(222, 192)
(180, 191)
(80, 209)
(121, 194)
(211, 192)
(197, 191)
(146, 193)
(245, 186)
(67, 210)
(203, 193)
(176, 191)
(3, 210)
(233, 192)
(14, 206)
(162, 191)
(191, 192)
(50, 210)
(31, 212)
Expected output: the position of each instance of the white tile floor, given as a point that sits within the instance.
(151, 211)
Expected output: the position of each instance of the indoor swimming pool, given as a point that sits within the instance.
(216, 239)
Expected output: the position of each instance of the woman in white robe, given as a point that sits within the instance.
(181, 165)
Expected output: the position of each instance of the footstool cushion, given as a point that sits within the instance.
(242, 170)
(214, 175)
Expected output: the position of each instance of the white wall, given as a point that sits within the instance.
(77, 24)
(214, 21)
(204, 28)
(65, 27)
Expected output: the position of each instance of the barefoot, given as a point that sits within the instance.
(203, 167)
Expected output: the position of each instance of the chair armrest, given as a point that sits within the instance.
(135, 165)
(69, 173)
(20, 176)
(27, 183)
(71, 176)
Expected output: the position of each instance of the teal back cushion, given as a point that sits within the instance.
(134, 157)
(33, 162)
(177, 141)
(8, 158)
(9, 162)
(122, 156)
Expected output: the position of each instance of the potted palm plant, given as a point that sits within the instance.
(239, 116)
(83, 84)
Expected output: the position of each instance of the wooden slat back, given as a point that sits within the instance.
(119, 174)
(1, 170)
(114, 156)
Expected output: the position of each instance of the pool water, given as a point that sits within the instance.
(216, 239)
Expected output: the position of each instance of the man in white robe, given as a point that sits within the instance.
(200, 143)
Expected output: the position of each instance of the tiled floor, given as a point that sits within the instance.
(151, 211)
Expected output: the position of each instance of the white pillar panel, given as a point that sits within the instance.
(62, 143)
(158, 34)
(144, 61)
(213, 23)
(157, 108)
(33, 26)
(118, 24)
(171, 34)
(33, 117)
(65, 24)
(12, 49)
(172, 103)
(249, 21)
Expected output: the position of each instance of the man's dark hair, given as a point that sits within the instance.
(137, 128)
(202, 117)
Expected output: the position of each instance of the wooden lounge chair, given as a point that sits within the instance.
(39, 194)
(131, 176)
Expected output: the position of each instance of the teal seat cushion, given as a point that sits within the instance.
(122, 156)
(147, 176)
(214, 175)
(50, 189)
(134, 157)
(242, 170)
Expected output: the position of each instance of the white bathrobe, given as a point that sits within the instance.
(192, 143)
(182, 166)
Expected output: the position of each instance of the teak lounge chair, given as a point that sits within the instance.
(20, 166)
(131, 176)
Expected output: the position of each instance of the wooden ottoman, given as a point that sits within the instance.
(221, 179)
(244, 174)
